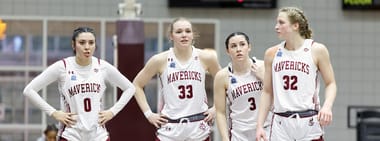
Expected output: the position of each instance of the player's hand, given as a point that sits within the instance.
(210, 115)
(105, 116)
(258, 71)
(66, 118)
(157, 120)
(325, 116)
(260, 134)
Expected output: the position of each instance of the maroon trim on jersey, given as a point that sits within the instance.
(62, 139)
(230, 135)
(320, 139)
(67, 105)
(316, 93)
(230, 119)
(64, 62)
(61, 130)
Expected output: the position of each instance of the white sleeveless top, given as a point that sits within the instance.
(81, 92)
(295, 79)
(183, 90)
(243, 98)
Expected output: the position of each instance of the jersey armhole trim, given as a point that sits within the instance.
(253, 60)
(64, 63)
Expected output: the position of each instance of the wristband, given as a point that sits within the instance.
(148, 113)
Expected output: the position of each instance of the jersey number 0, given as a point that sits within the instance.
(87, 104)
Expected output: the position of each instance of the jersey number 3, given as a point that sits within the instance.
(290, 82)
(185, 91)
(253, 103)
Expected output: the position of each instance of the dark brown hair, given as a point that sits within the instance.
(79, 30)
(235, 34)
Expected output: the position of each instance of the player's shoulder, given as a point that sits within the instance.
(63, 63)
(207, 51)
(159, 57)
(102, 63)
(272, 50)
(318, 46)
(222, 73)
(207, 54)
(157, 60)
(319, 50)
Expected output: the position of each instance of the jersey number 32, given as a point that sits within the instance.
(290, 82)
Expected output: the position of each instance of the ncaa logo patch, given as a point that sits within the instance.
(172, 65)
(233, 80)
(73, 77)
(279, 53)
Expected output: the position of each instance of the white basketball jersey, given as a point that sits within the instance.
(81, 91)
(295, 79)
(243, 99)
(183, 87)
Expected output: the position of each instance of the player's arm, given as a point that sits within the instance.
(209, 59)
(266, 99)
(220, 87)
(117, 79)
(151, 68)
(48, 76)
(324, 65)
(42, 80)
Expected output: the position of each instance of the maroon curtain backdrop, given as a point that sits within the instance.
(130, 123)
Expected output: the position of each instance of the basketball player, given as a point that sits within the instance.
(291, 82)
(50, 133)
(183, 110)
(241, 83)
(81, 83)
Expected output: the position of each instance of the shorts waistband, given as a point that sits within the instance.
(302, 114)
(191, 118)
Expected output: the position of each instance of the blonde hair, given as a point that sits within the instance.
(296, 15)
(194, 30)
